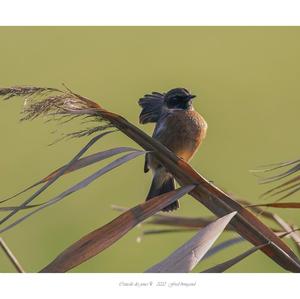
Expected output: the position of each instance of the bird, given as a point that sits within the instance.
(179, 127)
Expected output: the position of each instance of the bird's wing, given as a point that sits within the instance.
(161, 131)
(165, 120)
(158, 132)
(152, 107)
(146, 166)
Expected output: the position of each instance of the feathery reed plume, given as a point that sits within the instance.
(18, 91)
(53, 103)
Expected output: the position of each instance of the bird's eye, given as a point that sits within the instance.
(174, 99)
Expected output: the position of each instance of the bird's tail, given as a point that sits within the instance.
(163, 182)
(152, 106)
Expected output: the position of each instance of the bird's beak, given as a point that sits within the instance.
(192, 96)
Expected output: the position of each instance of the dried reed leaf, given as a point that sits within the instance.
(78, 164)
(274, 166)
(5, 209)
(102, 238)
(286, 186)
(295, 235)
(187, 256)
(180, 221)
(184, 224)
(292, 189)
(166, 231)
(280, 176)
(220, 268)
(78, 186)
(289, 193)
(269, 192)
(282, 205)
(161, 219)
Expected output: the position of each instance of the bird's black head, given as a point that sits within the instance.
(178, 98)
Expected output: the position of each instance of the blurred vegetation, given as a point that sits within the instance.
(246, 80)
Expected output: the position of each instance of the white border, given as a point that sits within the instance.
(110, 286)
(149, 12)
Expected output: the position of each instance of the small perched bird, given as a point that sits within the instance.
(178, 126)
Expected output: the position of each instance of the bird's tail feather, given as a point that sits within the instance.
(163, 183)
(152, 105)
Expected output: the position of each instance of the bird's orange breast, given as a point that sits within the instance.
(183, 132)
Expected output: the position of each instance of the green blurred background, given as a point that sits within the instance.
(247, 83)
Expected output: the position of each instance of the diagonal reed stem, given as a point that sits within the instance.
(11, 256)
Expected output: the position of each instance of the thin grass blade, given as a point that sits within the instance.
(11, 256)
(56, 176)
(170, 230)
(186, 257)
(274, 166)
(226, 265)
(5, 209)
(281, 175)
(295, 179)
(77, 187)
(289, 188)
(76, 165)
(102, 238)
(295, 235)
(289, 194)
(282, 205)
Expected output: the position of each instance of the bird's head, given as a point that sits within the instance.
(178, 98)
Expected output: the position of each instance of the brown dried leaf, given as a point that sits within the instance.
(102, 238)
(180, 221)
(282, 205)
